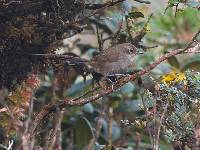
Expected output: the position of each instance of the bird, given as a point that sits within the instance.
(113, 61)
(109, 63)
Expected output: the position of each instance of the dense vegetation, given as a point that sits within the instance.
(46, 103)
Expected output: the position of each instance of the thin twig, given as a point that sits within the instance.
(115, 34)
(189, 50)
(110, 125)
(146, 114)
(10, 144)
(137, 39)
(52, 55)
(56, 140)
(100, 43)
(12, 2)
(159, 126)
(26, 143)
(141, 1)
(86, 93)
(176, 9)
(103, 5)
(128, 28)
(109, 4)
(154, 146)
(97, 129)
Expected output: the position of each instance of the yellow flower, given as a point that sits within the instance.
(180, 76)
(175, 76)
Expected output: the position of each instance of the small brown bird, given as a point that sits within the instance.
(110, 63)
(113, 61)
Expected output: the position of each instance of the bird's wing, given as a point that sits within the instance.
(107, 56)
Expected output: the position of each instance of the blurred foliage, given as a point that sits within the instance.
(166, 104)
(177, 29)
(187, 3)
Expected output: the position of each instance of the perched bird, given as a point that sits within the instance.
(109, 63)
(113, 61)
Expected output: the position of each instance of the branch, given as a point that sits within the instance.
(79, 102)
(142, 1)
(99, 6)
(104, 6)
(137, 39)
(193, 49)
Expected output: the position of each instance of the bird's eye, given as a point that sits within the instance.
(131, 51)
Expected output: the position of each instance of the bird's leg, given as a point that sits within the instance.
(112, 79)
(139, 79)
(96, 78)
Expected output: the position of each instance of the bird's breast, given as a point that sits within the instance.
(108, 68)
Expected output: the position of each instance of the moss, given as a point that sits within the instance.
(30, 27)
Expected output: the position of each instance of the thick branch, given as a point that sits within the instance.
(79, 102)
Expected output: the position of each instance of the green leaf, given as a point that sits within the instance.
(116, 132)
(127, 88)
(135, 13)
(192, 64)
(174, 1)
(130, 106)
(193, 3)
(174, 62)
(88, 108)
(78, 87)
(83, 132)
(114, 101)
